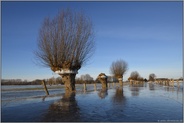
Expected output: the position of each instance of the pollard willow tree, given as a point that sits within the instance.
(65, 44)
(103, 79)
(118, 69)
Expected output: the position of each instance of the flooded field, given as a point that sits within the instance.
(147, 102)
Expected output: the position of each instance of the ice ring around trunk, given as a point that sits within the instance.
(66, 72)
(103, 76)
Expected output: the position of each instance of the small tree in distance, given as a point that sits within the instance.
(65, 44)
(86, 78)
(135, 76)
(152, 77)
(118, 69)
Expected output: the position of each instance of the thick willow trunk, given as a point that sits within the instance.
(103, 79)
(68, 78)
(120, 81)
(69, 81)
(104, 84)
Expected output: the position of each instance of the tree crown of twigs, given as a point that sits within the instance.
(118, 68)
(66, 41)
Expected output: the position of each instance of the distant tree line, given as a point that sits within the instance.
(50, 81)
(20, 82)
(55, 81)
(79, 80)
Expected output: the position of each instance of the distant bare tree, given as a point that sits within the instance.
(152, 77)
(51, 81)
(58, 80)
(86, 77)
(134, 75)
(140, 78)
(118, 69)
(65, 44)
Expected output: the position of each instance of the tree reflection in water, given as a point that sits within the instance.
(65, 109)
(103, 93)
(135, 89)
(151, 86)
(119, 96)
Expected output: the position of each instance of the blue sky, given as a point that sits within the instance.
(147, 35)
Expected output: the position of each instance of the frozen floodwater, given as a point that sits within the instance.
(147, 102)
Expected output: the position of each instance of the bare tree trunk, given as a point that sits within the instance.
(103, 79)
(69, 81)
(120, 81)
(178, 84)
(104, 83)
(108, 85)
(95, 86)
(85, 88)
(173, 83)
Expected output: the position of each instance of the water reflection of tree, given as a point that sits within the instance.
(119, 96)
(168, 89)
(103, 93)
(151, 86)
(63, 110)
(135, 88)
(135, 91)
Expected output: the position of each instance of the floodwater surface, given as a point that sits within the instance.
(146, 102)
